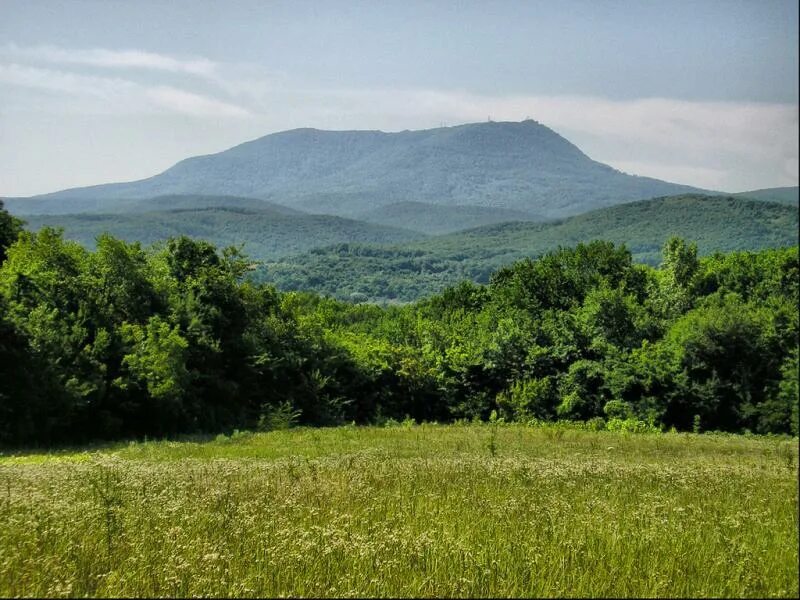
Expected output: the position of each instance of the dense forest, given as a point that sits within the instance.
(267, 232)
(418, 269)
(126, 341)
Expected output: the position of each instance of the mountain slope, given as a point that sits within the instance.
(783, 195)
(413, 270)
(266, 233)
(520, 166)
(432, 219)
(58, 206)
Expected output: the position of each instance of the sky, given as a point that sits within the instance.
(701, 92)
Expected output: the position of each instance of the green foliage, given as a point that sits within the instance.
(529, 398)
(783, 195)
(414, 270)
(617, 409)
(630, 425)
(265, 233)
(9, 230)
(125, 342)
(276, 418)
(157, 358)
(433, 219)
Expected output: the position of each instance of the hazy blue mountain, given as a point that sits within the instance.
(417, 269)
(782, 195)
(521, 166)
(433, 219)
(267, 233)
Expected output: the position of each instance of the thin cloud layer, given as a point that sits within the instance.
(104, 95)
(112, 59)
(718, 145)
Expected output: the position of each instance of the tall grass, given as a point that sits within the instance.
(471, 510)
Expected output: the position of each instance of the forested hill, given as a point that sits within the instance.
(262, 232)
(125, 342)
(57, 206)
(434, 219)
(783, 195)
(521, 166)
(417, 269)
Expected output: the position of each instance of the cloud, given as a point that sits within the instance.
(193, 104)
(712, 178)
(112, 59)
(113, 94)
(726, 145)
(693, 126)
(716, 145)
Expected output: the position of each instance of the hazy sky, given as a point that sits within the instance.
(697, 92)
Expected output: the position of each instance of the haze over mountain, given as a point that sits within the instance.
(521, 166)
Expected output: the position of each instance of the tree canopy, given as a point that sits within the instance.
(126, 341)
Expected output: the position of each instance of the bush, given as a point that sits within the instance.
(527, 398)
(617, 409)
(631, 426)
(596, 424)
(275, 418)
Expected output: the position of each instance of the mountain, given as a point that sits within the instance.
(433, 219)
(267, 232)
(521, 166)
(417, 269)
(783, 195)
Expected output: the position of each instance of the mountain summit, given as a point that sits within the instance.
(521, 166)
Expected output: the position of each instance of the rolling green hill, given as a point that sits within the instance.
(783, 195)
(59, 206)
(266, 233)
(409, 271)
(521, 166)
(433, 219)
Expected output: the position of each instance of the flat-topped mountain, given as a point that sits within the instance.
(521, 166)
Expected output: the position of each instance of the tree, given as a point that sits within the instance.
(10, 227)
(674, 292)
(723, 357)
(156, 363)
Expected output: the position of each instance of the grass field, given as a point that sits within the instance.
(430, 510)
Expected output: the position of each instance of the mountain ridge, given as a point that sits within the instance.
(522, 166)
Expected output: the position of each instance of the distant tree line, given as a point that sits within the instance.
(126, 341)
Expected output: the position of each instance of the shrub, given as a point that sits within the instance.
(631, 426)
(281, 416)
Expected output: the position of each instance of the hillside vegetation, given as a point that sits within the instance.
(58, 206)
(418, 269)
(782, 195)
(433, 219)
(263, 233)
(521, 166)
(126, 342)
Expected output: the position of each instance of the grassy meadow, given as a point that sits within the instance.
(425, 510)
